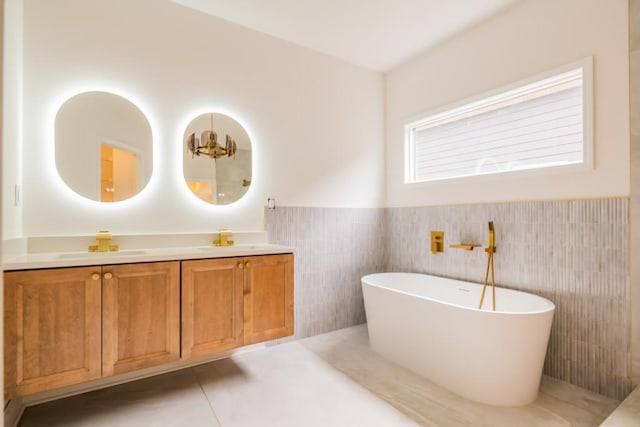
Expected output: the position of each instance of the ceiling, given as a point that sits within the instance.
(375, 34)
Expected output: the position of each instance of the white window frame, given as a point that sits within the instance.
(467, 105)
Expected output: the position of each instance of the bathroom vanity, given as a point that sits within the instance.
(71, 319)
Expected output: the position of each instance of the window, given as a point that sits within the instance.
(544, 123)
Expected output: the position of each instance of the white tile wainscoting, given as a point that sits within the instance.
(573, 252)
(334, 248)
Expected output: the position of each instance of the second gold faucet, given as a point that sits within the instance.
(104, 239)
(224, 238)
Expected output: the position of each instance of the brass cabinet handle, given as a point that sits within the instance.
(95, 276)
(240, 265)
(247, 264)
(108, 276)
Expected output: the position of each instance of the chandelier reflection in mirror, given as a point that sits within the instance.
(228, 177)
(208, 145)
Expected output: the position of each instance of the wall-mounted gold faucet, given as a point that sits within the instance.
(465, 246)
(223, 239)
(104, 239)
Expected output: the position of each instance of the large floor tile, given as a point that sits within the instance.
(173, 399)
(558, 404)
(330, 380)
(627, 414)
(289, 386)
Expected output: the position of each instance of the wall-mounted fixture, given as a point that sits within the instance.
(490, 250)
(103, 146)
(207, 144)
(228, 177)
(271, 203)
(465, 246)
(437, 242)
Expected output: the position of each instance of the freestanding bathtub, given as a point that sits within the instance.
(432, 326)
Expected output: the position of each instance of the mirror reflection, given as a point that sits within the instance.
(103, 146)
(217, 158)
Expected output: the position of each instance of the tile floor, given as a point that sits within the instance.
(627, 414)
(328, 380)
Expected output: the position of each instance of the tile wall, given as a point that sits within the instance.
(634, 98)
(573, 252)
(334, 248)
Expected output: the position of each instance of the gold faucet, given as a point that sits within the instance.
(224, 240)
(490, 250)
(104, 238)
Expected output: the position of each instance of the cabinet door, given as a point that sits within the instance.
(268, 297)
(52, 328)
(211, 305)
(141, 316)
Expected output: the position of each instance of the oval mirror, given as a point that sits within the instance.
(103, 146)
(217, 158)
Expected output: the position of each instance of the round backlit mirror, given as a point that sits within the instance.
(217, 158)
(103, 146)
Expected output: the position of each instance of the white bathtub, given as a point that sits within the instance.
(431, 325)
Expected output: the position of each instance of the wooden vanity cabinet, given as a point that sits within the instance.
(211, 305)
(67, 326)
(52, 327)
(230, 302)
(268, 297)
(140, 316)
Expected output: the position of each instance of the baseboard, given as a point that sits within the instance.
(15, 408)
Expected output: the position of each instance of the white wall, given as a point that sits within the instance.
(12, 118)
(529, 38)
(316, 123)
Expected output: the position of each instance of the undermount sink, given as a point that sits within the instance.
(237, 247)
(95, 254)
(215, 248)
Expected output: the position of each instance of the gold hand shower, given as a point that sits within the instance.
(490, 250)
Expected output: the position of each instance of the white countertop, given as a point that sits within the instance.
(125, 256)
